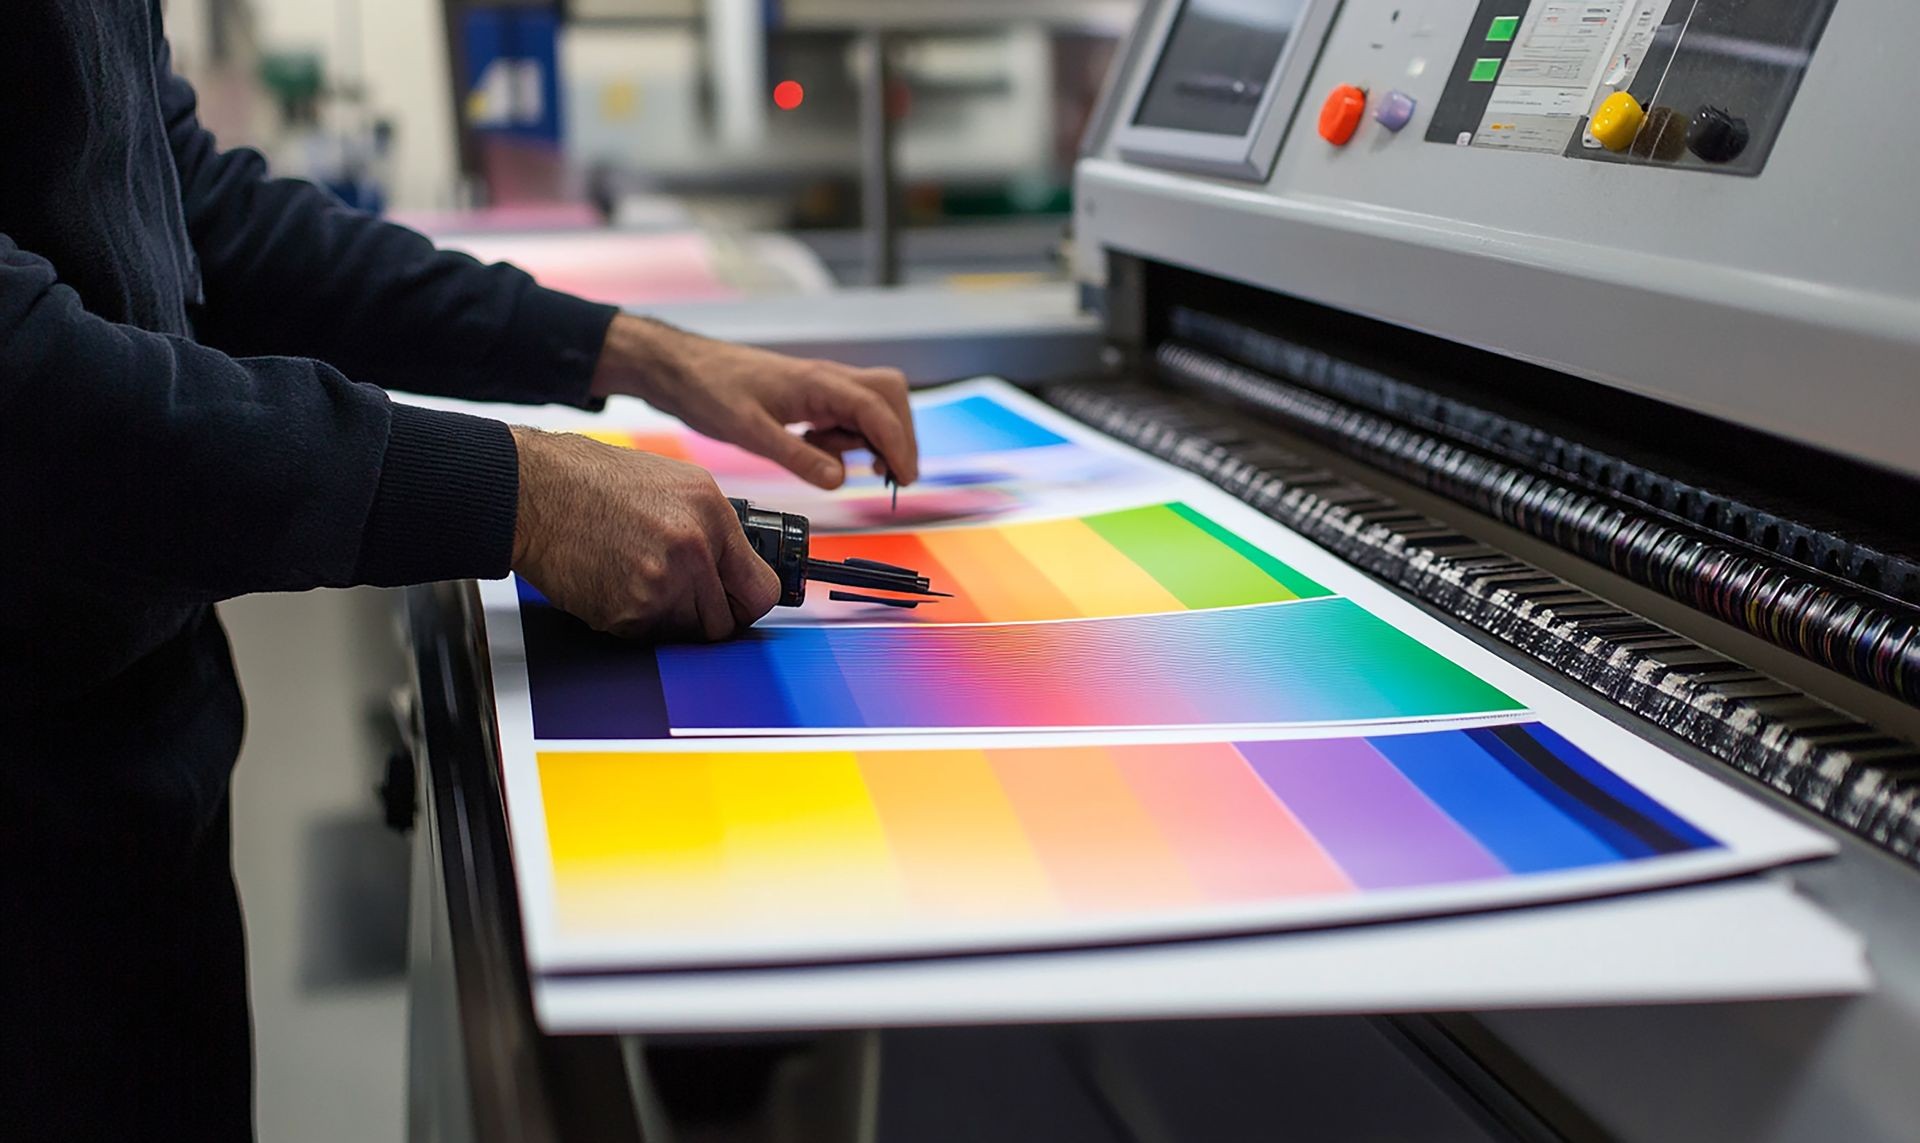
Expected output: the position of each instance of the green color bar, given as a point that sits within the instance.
(1503, 29)
(1195, 568)
(1200, 563)
(1484, 71)
(1293, 581)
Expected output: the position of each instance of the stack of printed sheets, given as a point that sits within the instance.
(1147, 715)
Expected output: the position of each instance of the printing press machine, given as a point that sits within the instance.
(1630, 397)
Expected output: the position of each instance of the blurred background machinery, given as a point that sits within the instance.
(739, 147)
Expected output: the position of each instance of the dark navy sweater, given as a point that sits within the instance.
(192, 357)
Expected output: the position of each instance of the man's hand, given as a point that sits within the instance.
(747, 397)
(635, 544)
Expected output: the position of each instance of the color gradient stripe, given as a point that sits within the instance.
(1492, 803)
(1377, 825)
(758, 842)
(1165, 557)
(1321, 660)
(953, 833)
(1099, 843)
(1238, 841)
(977, 424)
(1310, 661)
(970, 425)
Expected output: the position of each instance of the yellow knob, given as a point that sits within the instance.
(1617, 121)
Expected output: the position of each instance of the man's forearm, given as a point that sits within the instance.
(151, 466)
(647, 358)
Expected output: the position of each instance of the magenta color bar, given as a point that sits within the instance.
(1376, 824)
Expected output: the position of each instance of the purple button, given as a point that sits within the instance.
(1395, 110)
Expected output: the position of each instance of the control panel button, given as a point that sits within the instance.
(1715, 136)
(1340, 114)
(1617, 121)
(1395, 110)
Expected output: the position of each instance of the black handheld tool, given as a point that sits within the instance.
(780, 538)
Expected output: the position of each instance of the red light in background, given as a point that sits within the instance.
(787, 95)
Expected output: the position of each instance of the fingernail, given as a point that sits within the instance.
(827, 470)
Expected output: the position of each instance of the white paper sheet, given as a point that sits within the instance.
(1748, 940)
(1750, 836)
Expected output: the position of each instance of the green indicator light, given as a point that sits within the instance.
(1485, 71)
(1503, 29)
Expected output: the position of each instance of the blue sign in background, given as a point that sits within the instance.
(511, 73)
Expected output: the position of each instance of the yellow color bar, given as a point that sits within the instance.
(1095, 575)
(620, 807)
(636, 840)
(802, 839)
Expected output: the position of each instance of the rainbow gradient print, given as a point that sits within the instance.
(1052, 626)
(979, 459)
(965, 427)
(1311, 661)
(705, 847)
(1159, 558)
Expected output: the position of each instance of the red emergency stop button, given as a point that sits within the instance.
(1340, 114)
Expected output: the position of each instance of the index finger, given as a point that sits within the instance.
(887, 423)
(892, 385)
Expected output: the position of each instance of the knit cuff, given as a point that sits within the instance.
(448, 497)
(552, 345)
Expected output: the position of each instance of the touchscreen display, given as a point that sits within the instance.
(1217, 63)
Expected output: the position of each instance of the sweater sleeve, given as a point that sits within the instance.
(287, 268)
(137, 462)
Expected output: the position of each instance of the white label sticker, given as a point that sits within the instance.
(1565, 52)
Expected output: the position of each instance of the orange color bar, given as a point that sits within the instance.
(1100, 847)
(998, 581)
(907, 551)
(955, 839)
(1239, 842)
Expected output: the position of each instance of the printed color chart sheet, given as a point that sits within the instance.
(1148, 712)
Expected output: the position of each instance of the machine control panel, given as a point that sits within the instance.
(1700, 84)
(1563, 157)
(1691, 84)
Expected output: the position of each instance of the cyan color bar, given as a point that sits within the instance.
(977, 424)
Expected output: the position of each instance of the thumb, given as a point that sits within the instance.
(813, 465)
(752, 588)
